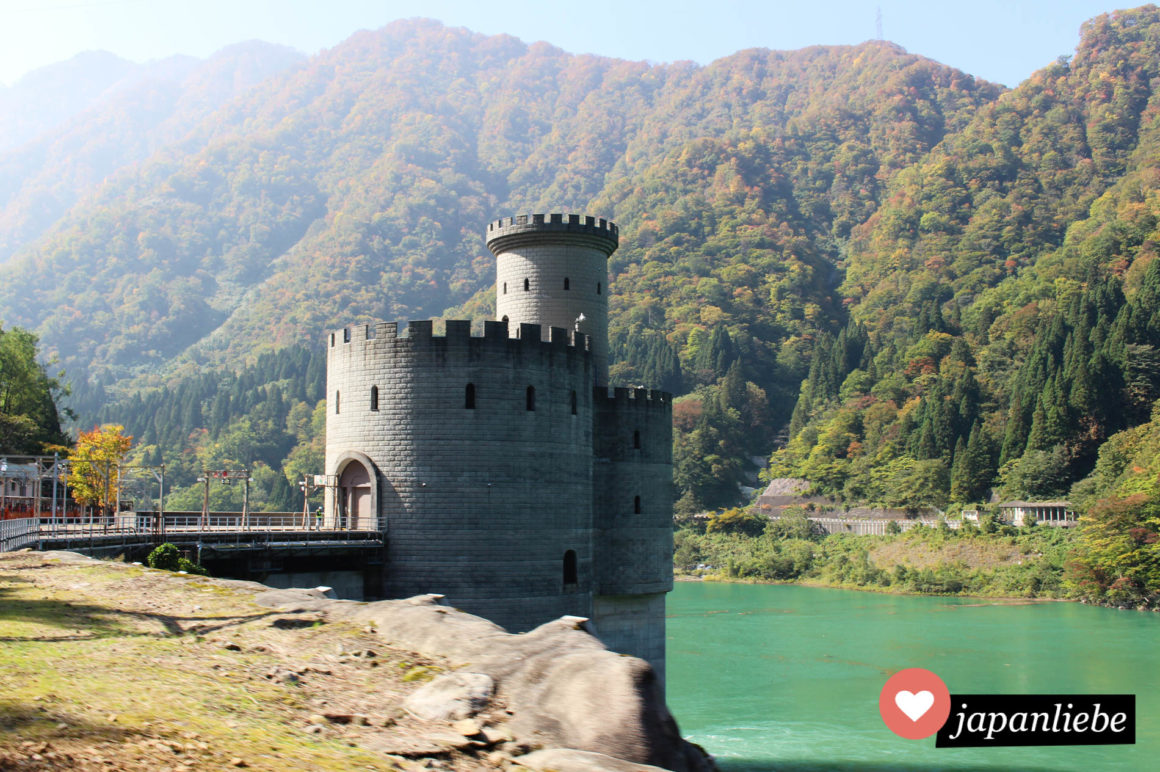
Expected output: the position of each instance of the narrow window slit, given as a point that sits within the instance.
(571, 568)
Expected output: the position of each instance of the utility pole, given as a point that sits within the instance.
(246, 502)
(105, 501)
(36, 464)
(161, 501)
(205, 501)
(308, 486)
(304, 487)
(227, 476)
(55, 476)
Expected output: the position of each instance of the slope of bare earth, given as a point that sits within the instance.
(973, 554)
(111, 666)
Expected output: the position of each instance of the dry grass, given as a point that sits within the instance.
(974, 553)
(110, 666)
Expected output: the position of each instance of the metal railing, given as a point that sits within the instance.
(31, 531)
(15, 534)
(235, 521)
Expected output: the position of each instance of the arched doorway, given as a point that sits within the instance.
(355, 498)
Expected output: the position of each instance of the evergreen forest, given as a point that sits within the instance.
(851, 264)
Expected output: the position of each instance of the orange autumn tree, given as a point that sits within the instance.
(94, 464)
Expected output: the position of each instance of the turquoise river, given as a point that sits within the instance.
(773, 677)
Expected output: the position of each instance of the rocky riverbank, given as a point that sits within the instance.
(112, 666)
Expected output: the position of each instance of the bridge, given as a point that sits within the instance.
(276, 548)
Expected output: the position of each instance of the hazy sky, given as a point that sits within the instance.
(1000, 40)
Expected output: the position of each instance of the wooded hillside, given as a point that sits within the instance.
(929, 285)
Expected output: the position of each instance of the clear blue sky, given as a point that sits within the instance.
(1000, 40)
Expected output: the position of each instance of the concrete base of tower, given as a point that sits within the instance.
(634, 625)
(515, 614)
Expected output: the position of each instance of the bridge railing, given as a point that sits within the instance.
(235, 521)
(15, 534)
(29, 531)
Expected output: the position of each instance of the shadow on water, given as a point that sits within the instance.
(813, 765)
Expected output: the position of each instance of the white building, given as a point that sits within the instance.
(1057, 513)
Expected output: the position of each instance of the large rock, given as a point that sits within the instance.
(562, 683)
(451, 697)
(297, 599)
(565, 690)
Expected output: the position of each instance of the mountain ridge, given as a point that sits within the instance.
(861, 231)
(532, 170)
(144, 110)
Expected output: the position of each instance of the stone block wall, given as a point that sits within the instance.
(633, 509)
(483, 503)
(633, 624)
(633, 494)
(518, 515)
(550, 269)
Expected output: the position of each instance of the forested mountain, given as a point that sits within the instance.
(937, 285)
(1004, 298)
(147, 108)
(45, 98)
(359, 184)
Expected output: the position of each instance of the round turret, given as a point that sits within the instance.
(474, 455)
(552, 270)
(500, 476)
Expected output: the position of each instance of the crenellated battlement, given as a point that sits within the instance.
(531, 229)
(383, 335)
(638, 398)
(633, 425)
(511, 478)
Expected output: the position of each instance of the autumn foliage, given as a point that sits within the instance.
(93, 465)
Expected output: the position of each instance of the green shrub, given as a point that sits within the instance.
(189, 567)
(165, 556)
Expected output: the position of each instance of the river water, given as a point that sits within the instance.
(775, 677)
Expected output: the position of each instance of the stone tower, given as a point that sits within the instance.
(550, 270)
(504, 471)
